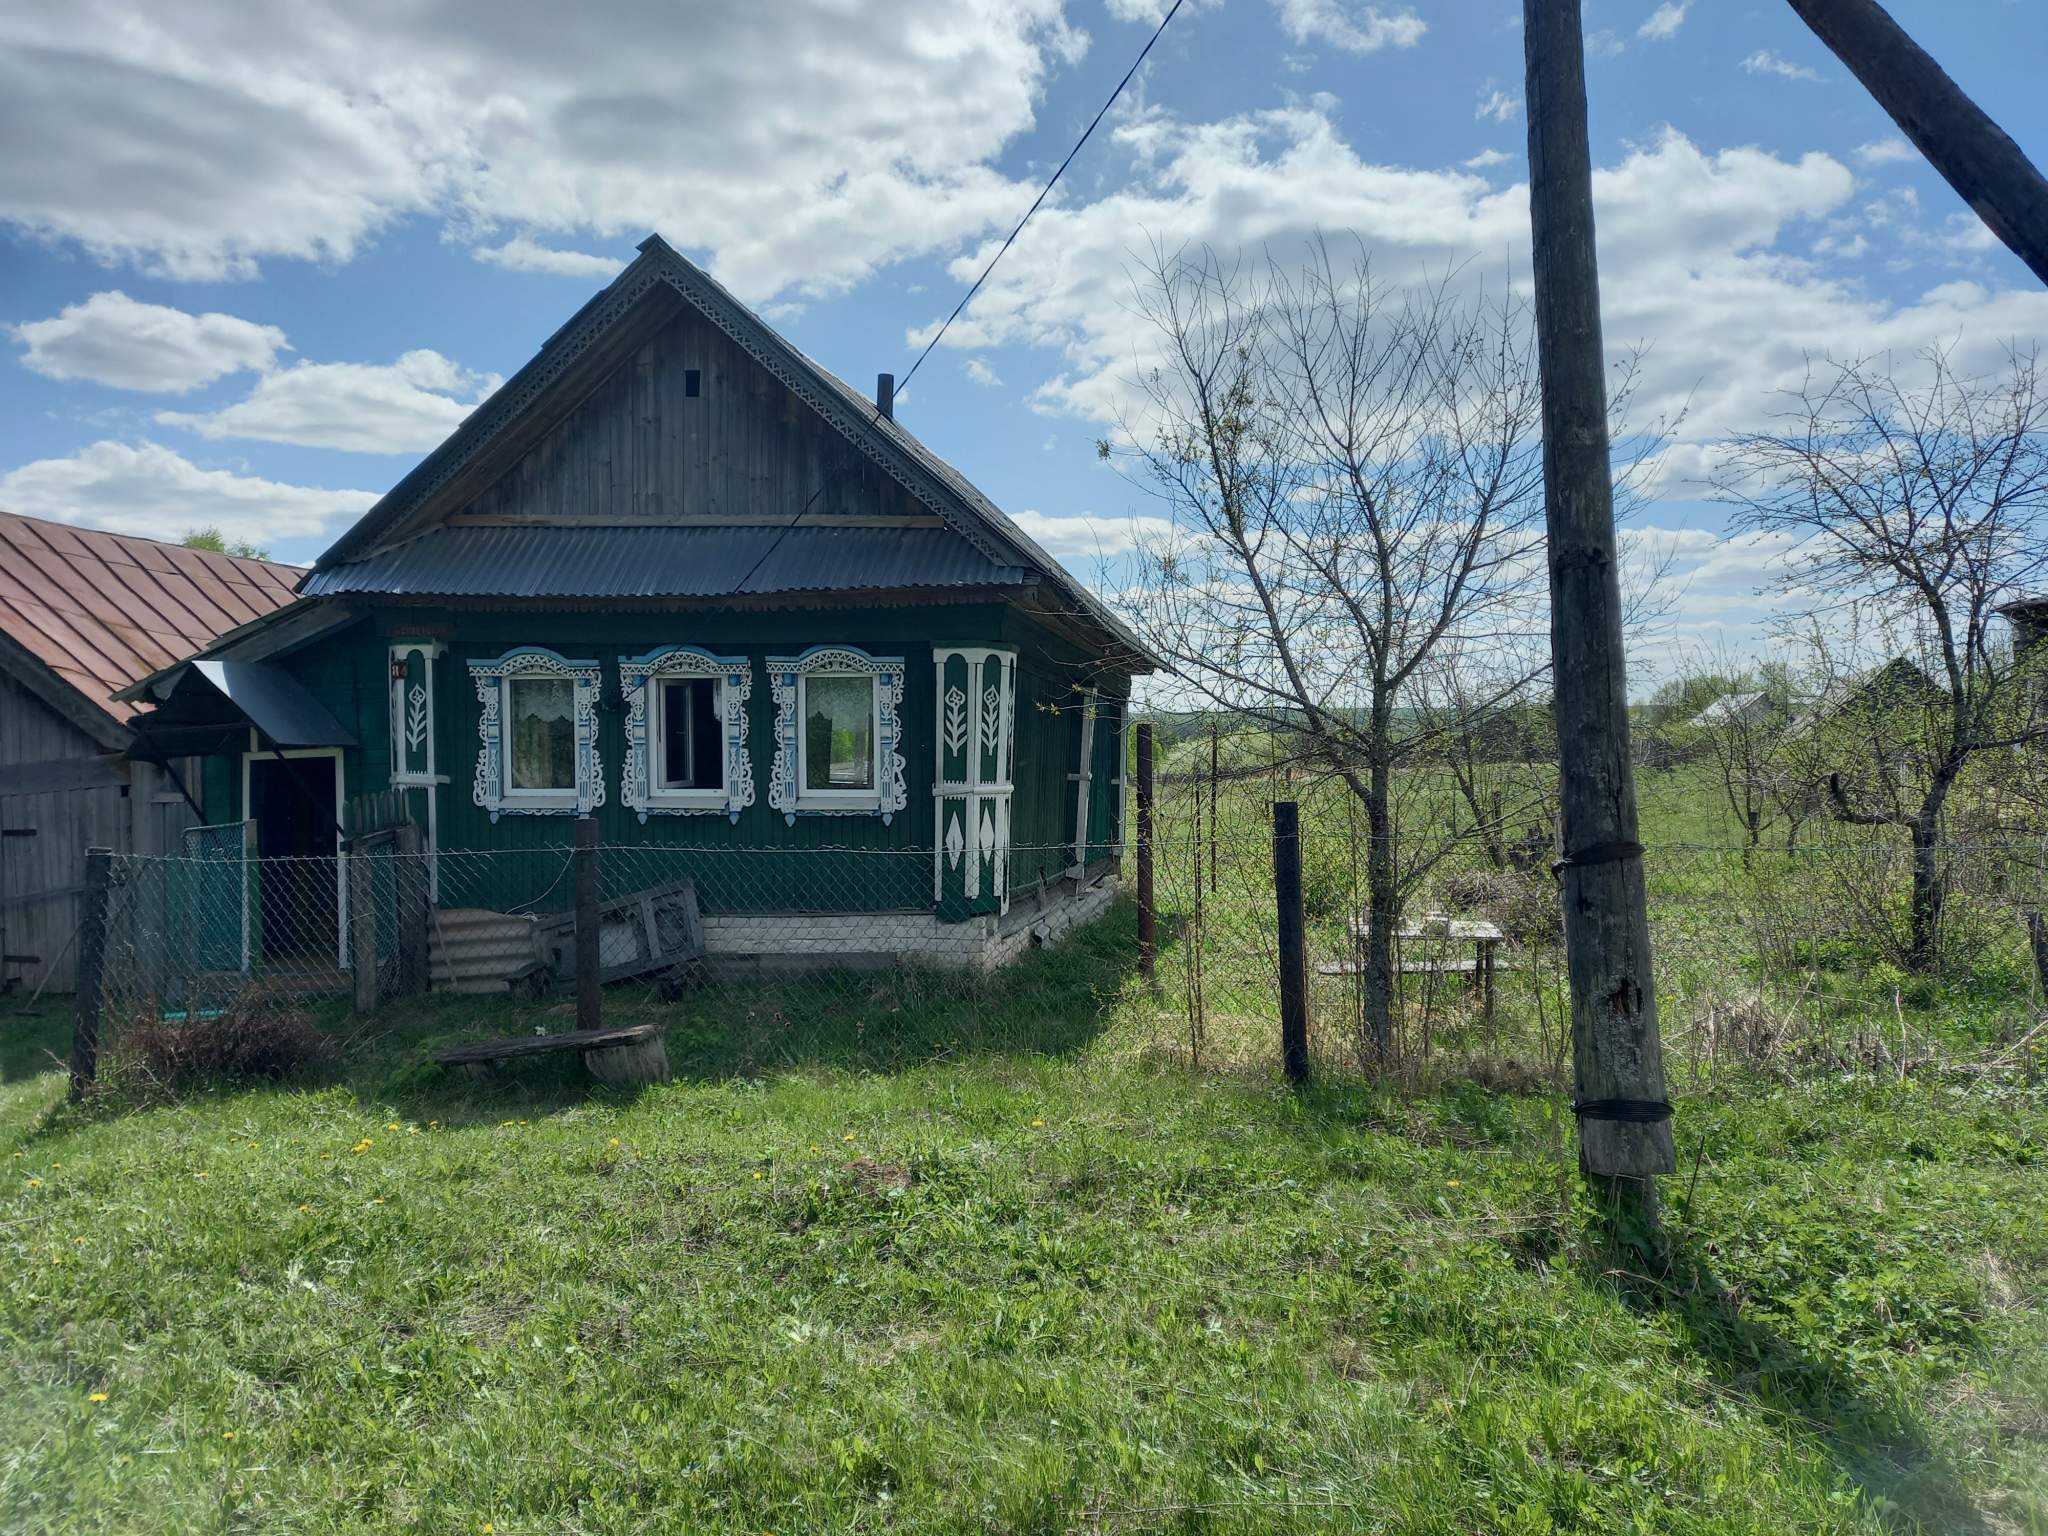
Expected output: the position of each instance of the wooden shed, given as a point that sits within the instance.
(84, 614)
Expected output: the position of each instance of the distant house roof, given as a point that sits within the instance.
(86, 613)
(412, 504)
(1735, 707)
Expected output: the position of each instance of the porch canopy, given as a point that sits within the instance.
(209, 707)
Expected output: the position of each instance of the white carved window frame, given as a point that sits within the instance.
(640, 680)
(493, 790)
(787, 676)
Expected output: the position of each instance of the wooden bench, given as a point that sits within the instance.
(625, 1056)
(1481, 933)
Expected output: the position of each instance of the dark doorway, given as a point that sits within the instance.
(295, 803)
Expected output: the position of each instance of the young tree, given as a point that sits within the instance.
(1916, 508)
(212, 538)
(1353, 481)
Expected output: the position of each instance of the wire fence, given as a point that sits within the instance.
(748, 956)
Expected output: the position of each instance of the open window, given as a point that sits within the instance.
(838, 733)
(538, 732)
(686, 732)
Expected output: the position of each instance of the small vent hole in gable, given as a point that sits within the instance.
(691, 380)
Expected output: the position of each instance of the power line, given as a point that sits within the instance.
(1113, 95)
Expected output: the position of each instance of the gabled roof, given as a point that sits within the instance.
(85, 613)
(440, 482)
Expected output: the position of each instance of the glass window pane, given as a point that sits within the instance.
(542, 732)
(839, 732)
(692, 755)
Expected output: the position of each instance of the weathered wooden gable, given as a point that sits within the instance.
(688, 426)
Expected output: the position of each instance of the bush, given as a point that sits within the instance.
(1523, 903)
(234, 1042)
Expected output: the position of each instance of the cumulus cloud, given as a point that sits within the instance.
(1353, 28)
(1889, 151)
(1086, 535)
(981, 373)
(1496, 105)
(1664, 21)
(149, 489)
(800, 144)
(1765, 62)
(1487, 158)
(121, 342)
(408, 406)
(526, 254)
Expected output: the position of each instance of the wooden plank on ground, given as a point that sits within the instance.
(541, 1045)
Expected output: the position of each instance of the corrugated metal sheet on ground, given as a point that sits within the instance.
(618, 562)
(103, 610)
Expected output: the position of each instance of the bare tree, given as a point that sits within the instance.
(1917, 509)
(1354, 484)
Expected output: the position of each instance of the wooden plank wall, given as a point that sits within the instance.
(129, 807)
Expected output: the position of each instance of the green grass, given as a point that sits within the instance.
(935, 1259)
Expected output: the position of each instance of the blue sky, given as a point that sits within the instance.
(255, 261)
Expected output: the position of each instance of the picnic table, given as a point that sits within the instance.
(1483, 934)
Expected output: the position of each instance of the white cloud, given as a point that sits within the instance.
(1087, 535)
(981, 373)
(525, 254)
(118, 341)
(149, 489)
(1765, 62)
(1496, 105)
(1606, 43)
(1890, 151)
(1664, 21)
(1487, 158)
(1353, 28)
(801, 144)
(407, 407)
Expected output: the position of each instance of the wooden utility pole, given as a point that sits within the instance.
(1617, 1058)
(1972, 153)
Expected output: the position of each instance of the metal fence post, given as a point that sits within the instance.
(589, 992)
(1148, 930)
(1288, 932)
(92, 964)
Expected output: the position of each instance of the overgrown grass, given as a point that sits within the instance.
(928, 1261)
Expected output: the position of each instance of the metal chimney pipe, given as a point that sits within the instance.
(885, 395)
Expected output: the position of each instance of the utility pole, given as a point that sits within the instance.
(1972, 153)
(1617, 1058)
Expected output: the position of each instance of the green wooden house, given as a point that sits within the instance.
(676, 576)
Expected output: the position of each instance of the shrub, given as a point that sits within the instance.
(1523, 903)
(238, 1041)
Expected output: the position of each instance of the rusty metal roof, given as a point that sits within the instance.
(102, 610)
(665, 562)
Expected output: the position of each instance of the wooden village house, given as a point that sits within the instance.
(83, 615)
(677, 577)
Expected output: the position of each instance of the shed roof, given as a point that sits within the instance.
(101, 610)
(666, 562)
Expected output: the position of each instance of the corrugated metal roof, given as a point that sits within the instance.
(664, 562)
(102, 610)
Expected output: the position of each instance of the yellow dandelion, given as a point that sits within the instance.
(79, 1241)
(305, 1207)
(393, 1126)
(227, 1434)
(503, 1124)
(757, 1173)
(847, 1137)
(56, 1165)
(95, 1397)
(1038, 1125)
(200, 1174)
(1454, 1183)
(488, 1528)
(34, 1183)
(615, 1141)
(433, 1125)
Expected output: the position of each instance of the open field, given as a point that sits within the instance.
(944, 1257)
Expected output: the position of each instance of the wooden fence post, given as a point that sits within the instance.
(92, 965)
(1215, 767)
(1288, 932)
(1148, 931)
(410, 870)
(362, 924)
(589, 985)
(1617, 1057)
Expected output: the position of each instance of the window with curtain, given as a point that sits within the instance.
(839, 732)
(540, 714)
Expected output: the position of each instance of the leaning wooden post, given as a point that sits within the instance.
(362, 923)
(1215, 764)
(1617, 1058)
(92, 969)
(410, 872)
(1148, 931)
(1293, 950)
(589, 989)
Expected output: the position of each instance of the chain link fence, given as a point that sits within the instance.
(1766, 951)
